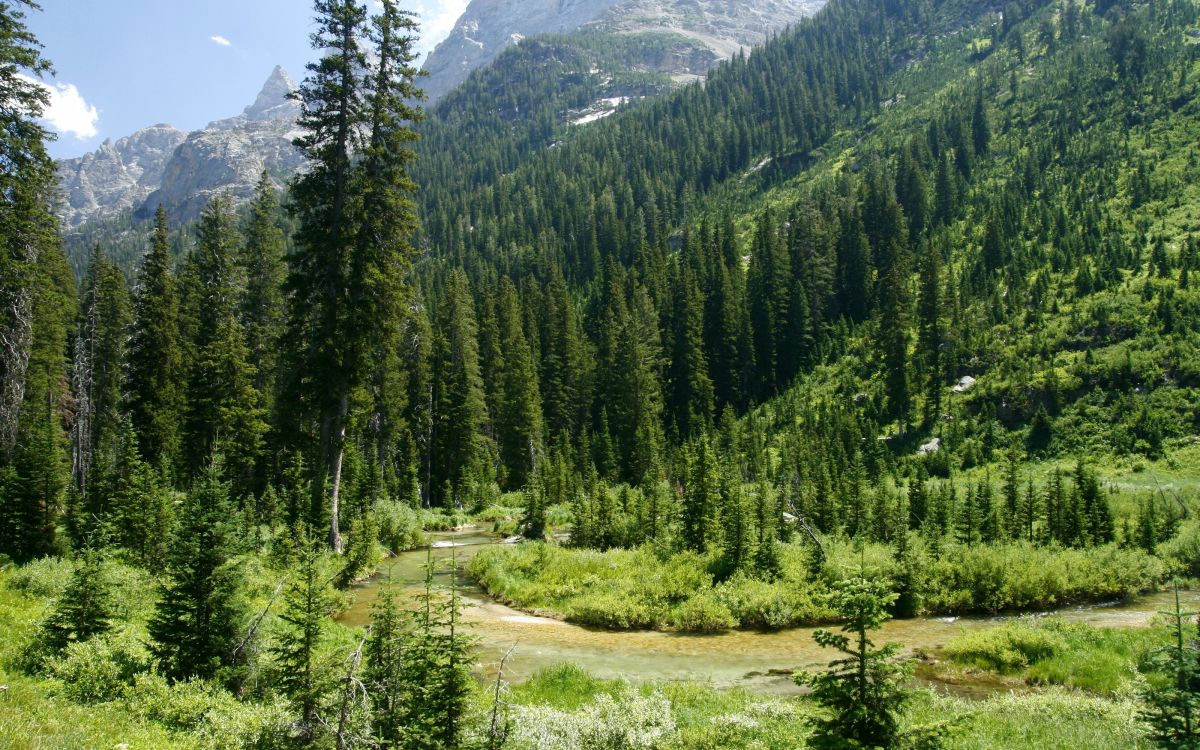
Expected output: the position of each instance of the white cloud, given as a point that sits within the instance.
(67, 111)
(220, 41)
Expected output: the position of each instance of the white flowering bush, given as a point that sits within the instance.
(627, 722)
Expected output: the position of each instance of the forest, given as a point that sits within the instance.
(890, 318)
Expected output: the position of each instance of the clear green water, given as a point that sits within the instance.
(762, 661)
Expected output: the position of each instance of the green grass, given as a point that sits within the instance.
(1053, 652)
(705, 718)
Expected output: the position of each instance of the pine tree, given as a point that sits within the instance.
(929, 330)
(346, 276)
(223, 411)
(518, 415)
(27, 191)
(1173, 707)
(198, 619)
(437, 660)
(98, 364)
(35, 474)
(460, 411)
(384, 673)
(262, 310)
(769, 287)
(637, 401)
(863, 694)
(737, 525)
(304, 677)
(155, 377)
(701, 499)
(691, 389)
(138, 506)
(85, 608)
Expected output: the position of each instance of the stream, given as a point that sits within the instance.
(761, 661)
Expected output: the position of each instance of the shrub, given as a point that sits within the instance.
(46, 577)
(1005, 649)
(626, 722)
(399, 526)
(99, 670)
(703, 613)
(1183, 550)
(611, 609)
(210, 713)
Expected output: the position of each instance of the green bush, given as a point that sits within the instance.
(611, 609)
(1183, 550)
(1005, 649)
(99, 670)
(210, 713)
(996, 578)
(703, 613)
(400, 526)
(46, 577)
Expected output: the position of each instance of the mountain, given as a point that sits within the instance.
(719, 27)
(229, 155)
(117, 176)
(182, 171)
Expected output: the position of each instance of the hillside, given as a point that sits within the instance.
(887, 325)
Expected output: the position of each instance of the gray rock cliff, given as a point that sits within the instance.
(182, 171)
(489, 26)
(116, 176)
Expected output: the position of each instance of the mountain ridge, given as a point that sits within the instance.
(182, 171)
(488, 27)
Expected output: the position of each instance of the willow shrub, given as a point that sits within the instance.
(639, 588)
(1021, 576)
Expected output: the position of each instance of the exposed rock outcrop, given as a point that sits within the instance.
(183, 171)
(117, 176)
(489, 26)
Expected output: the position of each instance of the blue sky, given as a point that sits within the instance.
(125, 64)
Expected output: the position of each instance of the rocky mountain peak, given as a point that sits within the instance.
(273, 102)
(182, 171)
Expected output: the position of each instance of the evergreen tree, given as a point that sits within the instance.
(303, 676)
(198, 619)
(863, 693)
(929, 330)
(223, 407)
(28, 228)
(460, 412)
(1173, 706)
(35, 474)
(262, 310)
(701, 499)
(98, 365)
(346, 276)
(518, 415)
(85, 608)
(384, 673)
(155, 378)
(691, 388)
(437, 662)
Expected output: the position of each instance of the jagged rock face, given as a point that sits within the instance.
(116, 176)
(230, 155)
(183, 171)
(489, 26)
(724, 26)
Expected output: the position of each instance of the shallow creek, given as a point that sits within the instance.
(756, 660)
